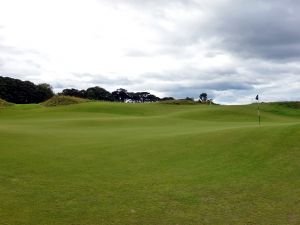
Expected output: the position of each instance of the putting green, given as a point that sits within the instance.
(112, 163)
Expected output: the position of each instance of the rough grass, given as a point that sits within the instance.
(4, 103)
(111, 163)
(294, 105)
(60, 100)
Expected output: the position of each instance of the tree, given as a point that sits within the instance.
(152, 98)
(120, 95)
(44, 92)
(203, 97)
(22, 92)
(98, 93)
(74, 92)
(145, 97)
(189, 98)
(167, 99)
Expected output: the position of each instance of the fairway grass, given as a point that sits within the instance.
(160, 164)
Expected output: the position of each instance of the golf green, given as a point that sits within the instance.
(161, 164)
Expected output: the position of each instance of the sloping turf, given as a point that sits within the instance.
(61, 100)
(160, 164)
(4, 103)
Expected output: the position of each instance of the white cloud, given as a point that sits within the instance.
(179, 47)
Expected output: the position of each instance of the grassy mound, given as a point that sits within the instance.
(4, 103)
(179, 102)
(287, 104)
(59, 100)
(293, 105)
(185, 102)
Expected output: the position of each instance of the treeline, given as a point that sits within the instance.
(22, 92)
(119, 95)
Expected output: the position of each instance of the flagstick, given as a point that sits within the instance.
(258, 112)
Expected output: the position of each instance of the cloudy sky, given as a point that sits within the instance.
(231, 49)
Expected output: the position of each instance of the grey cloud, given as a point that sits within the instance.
(58, 85)
(19, 62)
(251, 29)
(138, 53)
(191, 74)
(103, 80)
(237, 97)
(192, 86)
(10, 49)
(19, 67)
(262, 35)
(264, 29)
(152, 3)
(17, 51)
(227, 85)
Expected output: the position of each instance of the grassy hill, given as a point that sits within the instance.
(4, 103)
(112, 163)
(61, 100)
